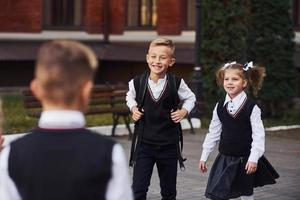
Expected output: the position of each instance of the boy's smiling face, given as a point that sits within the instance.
(159, 59)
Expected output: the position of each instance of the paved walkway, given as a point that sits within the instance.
(283, 152)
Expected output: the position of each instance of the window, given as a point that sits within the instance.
(190, 14)
(62, 14)
(141, 13)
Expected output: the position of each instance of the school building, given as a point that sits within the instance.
(118, 30)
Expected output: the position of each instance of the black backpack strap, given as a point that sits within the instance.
(140, 85)
(174, 83)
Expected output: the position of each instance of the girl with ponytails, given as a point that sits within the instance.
(237, 126)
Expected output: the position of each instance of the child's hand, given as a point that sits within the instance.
(178, 115)
(202, 166)
(1, 141)
(136, 114)
(250, 167)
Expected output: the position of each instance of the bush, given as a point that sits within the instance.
(270, 44)
(223, 39)
(257, 30)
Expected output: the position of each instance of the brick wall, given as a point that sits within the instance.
(117, 16)
(26, 16)
(93, 16)
(20, 15)
(170, 16)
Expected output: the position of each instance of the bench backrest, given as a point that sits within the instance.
(105, 98)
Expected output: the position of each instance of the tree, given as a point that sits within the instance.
(223, 39)
(270, 44)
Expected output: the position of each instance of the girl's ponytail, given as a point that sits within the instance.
(255, 76)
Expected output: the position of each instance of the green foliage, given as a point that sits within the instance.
(288, 117)
(270, 44)
(223, 38)
(258, 30)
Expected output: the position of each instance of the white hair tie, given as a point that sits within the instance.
(227, 65)
(248, 66)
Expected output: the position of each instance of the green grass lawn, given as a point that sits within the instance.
(16, 120)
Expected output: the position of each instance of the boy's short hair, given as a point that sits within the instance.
(163, 42)
(62, 67)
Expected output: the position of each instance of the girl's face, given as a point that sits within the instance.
(159, 59)
(233, 82)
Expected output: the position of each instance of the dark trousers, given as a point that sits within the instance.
(165, 158)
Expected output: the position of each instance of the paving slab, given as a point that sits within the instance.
(282, 150)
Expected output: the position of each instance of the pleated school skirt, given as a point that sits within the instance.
(228, 178)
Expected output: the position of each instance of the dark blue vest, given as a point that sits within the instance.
(236, 135)
(158, 126)
(62, 164)
(159, 129)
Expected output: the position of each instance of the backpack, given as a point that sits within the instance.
(140, 84)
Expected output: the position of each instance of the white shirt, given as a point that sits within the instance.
(119, 184)
(215, 129)
(184, 92)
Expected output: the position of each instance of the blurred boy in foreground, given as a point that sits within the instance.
(60, 159)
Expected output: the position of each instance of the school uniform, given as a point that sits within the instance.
(62, 160)
(237, 125)
(160, 136)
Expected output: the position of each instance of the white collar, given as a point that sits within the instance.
(238, 100)
(158, 81)
(61, 119)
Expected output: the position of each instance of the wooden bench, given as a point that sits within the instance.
(105, 99)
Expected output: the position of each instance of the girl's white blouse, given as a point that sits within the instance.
(215, 129)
